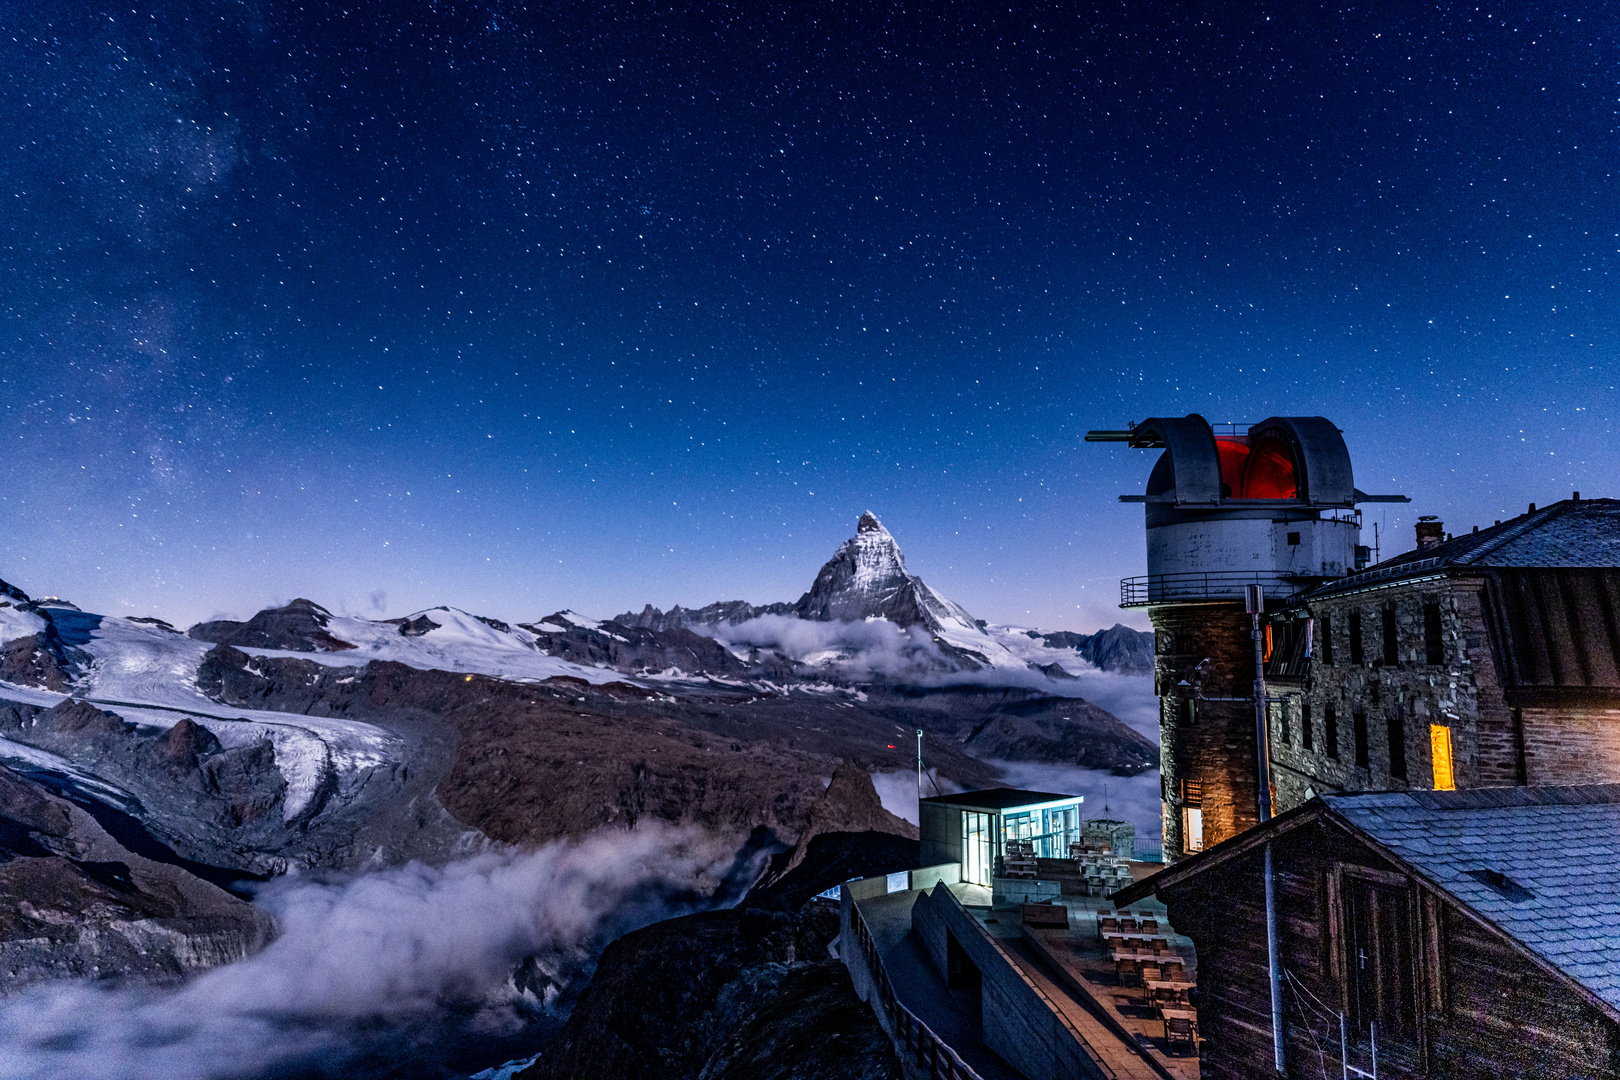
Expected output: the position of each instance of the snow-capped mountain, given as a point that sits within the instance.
(865, 581)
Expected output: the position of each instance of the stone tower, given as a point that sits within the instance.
(1272, 504)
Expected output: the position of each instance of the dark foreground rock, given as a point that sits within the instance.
(75, 903)
(742, 994)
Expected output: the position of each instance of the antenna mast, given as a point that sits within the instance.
(919, 774)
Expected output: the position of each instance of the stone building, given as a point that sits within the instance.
(1489, 659)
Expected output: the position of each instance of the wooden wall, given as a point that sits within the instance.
(1488, 1013)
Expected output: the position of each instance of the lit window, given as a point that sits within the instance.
(1445, 779)
(1193, 828)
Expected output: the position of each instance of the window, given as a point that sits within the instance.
(1397, 743)
(1282, 723)
(1392, 651)
(1192, 816)
(1192, 829)
(1287, 645)
(1433, 647)
(1293, 539)
(976, 858)
(1325, 645)
(1186, 712)
(1330, 732)
(1358, 728)
(1305, 734)
(1356, 657)
(1445, 779)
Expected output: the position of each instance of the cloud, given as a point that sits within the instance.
(868, 649)
(374, 970)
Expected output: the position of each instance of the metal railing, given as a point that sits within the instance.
(1211, 585)
(1148, 849)
(935, 1059)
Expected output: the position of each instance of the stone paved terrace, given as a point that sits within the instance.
(1073, 968)
(920, 988)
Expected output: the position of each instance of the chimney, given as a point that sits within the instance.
(1429, 532)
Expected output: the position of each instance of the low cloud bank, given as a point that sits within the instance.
(414, 963)
(1129, 697)
(858, 650)
(880, 650)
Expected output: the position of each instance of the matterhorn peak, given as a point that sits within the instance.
(867, 579)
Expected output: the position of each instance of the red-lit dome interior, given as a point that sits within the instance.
(1262, 471)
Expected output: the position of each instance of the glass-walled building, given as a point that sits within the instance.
(973, 827)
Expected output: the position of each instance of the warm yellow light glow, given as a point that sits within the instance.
(1440, 748)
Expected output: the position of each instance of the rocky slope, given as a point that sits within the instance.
(77, 903)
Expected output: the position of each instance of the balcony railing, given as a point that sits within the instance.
(1214, 585)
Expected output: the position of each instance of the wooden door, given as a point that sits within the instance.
(1381, 945)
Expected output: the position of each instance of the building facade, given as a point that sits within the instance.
(973, 827)
(1488, 660)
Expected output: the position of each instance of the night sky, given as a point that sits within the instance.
(518, 309)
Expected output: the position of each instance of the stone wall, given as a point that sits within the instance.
(1452, 693)
(1213, 745)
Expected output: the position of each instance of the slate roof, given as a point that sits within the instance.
(1568, 533)
(1560, 844)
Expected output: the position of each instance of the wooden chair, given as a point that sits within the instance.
(1181, 1031)
(1106, 923)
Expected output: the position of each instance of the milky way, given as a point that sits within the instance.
(592, 306)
